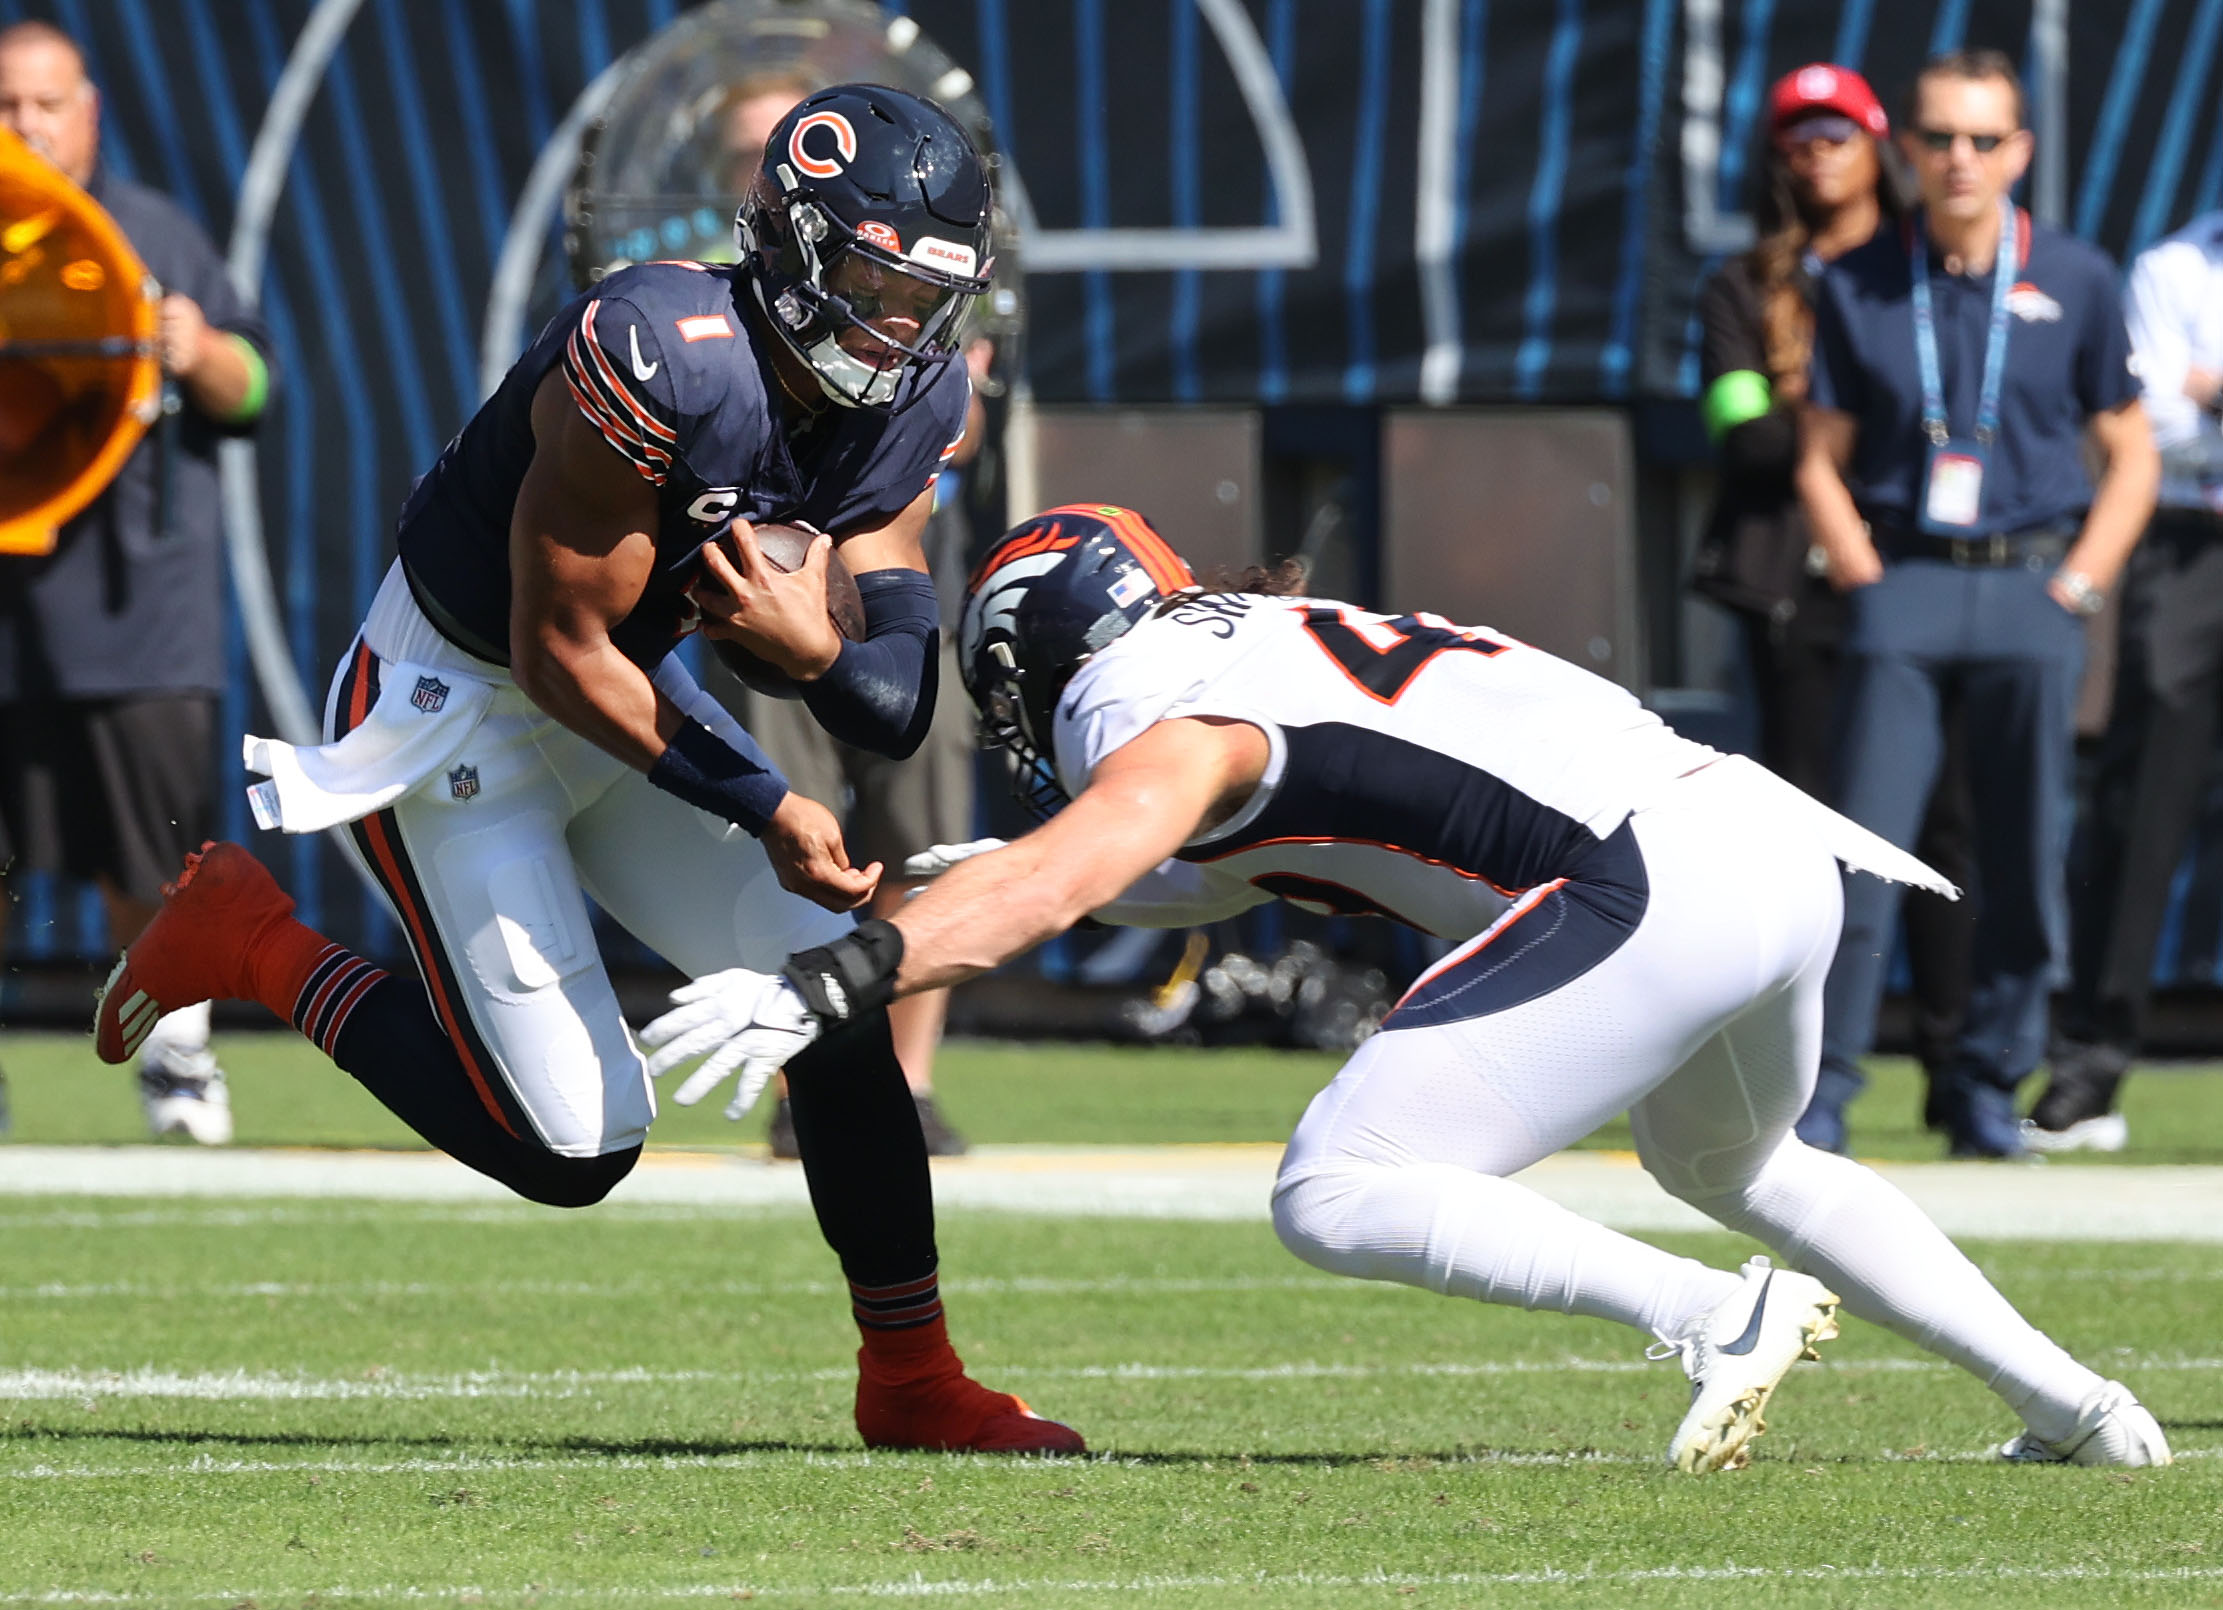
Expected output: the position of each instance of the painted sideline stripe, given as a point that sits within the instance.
(974, 1285)
(2100, 1202)
(924, 1587)
(24, 1385)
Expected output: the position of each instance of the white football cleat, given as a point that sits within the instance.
(2109, 1132)
(1736, 1355)
(2113, 1428)
(185, 1094)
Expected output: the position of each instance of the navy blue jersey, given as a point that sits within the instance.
(2068, 357)
(663, 361)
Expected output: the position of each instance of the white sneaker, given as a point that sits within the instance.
(185, 1094)
(1734, 1357)
(2109, 1132)
(2113, 1428)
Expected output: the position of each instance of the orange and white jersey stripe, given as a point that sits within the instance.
(612, 382)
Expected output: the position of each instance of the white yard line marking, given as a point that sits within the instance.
(923, 1587)
(820, 1459)
(37, 1385)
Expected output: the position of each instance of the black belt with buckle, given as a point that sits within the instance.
(2004, 550)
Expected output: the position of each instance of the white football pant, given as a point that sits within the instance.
(1705, 1027)
(486, 864)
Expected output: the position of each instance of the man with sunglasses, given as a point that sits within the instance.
(1960, 365)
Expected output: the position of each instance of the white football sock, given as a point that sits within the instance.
(1859, 1234)
(1466, 1234)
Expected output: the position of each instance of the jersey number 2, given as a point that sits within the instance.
(1384, 656)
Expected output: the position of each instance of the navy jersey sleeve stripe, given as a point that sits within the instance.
(636, 403)
(593, 395)
(625, 420)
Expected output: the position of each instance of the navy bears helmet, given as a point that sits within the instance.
(866, 236)
(1055, 590)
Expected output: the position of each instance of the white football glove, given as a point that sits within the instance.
(937, 859)
(751, 1021)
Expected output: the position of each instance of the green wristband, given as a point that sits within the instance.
(1737, 398)
(258, 380)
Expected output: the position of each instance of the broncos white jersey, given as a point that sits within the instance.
(1419, 770)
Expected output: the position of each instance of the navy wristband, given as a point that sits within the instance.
(741, 785)
(879, 694)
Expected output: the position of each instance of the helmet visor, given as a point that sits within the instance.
(886, 311)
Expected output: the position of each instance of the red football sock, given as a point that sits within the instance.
(904, 1334)
(308, 980)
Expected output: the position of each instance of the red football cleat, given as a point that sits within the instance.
(196, 949)
(949, 1412)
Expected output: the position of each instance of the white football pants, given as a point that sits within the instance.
(1705, 1027)
(484, 864)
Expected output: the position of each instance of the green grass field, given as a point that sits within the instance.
(285, 1094)
(322, 1403)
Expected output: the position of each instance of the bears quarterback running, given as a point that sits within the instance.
(1199, 752)
(511, 732)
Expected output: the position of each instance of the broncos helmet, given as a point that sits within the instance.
(1054, 591)
(866, 236)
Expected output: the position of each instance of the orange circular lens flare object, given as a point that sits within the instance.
(81, 382)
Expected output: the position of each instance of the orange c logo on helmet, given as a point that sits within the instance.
(845, 143)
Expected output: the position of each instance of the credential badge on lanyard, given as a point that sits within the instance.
(1953, 469)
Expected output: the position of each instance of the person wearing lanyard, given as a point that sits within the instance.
(2161, 733)
(1820, 191)
(1959, 365)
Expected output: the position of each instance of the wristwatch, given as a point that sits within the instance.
(2084, 598)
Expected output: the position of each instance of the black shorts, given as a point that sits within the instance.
(119, 789)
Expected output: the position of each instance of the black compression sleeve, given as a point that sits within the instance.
(879, 694)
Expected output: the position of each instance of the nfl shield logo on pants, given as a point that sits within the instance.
(463, 782)
(430, 695)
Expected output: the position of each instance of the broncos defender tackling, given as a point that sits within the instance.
(1641, 924)
(511, 729)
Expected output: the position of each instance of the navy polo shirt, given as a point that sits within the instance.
(2068, 357)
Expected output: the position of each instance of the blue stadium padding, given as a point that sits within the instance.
(1188, 284)
(1615, 361)
(1366, 192)
(2187, 98)
(1095, 190)
(2126, 84)
(1543, 204)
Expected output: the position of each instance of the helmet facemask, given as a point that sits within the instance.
(856, 313)
(1006, 724)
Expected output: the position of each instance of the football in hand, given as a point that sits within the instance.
(784, 547)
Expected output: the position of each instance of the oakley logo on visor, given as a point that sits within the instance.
(880, 235)
(845, 145)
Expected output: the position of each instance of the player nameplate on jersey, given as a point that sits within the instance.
(463, 782)
(430, 694)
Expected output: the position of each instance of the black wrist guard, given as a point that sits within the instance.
(851, 978)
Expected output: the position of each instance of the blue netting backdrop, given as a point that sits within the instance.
(1566, 272)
